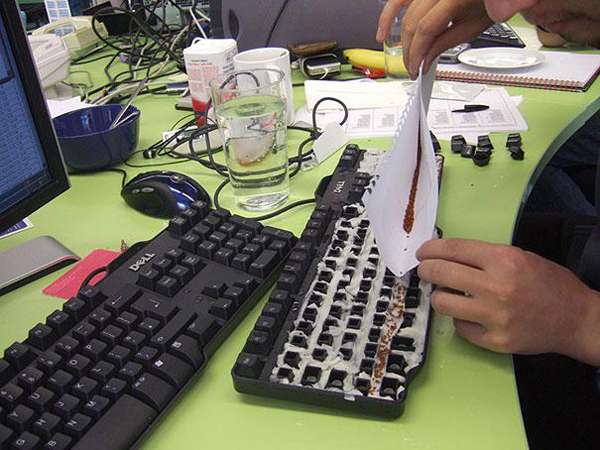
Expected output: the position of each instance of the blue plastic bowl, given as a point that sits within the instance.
(88, 144)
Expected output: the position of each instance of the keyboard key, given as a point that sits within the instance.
(174, 328)
(223, 308)
(46, 425)
(58, 442)
(202, 231)
(111, 335)
(18, 355)
(126, 321)
(224, 256)
(118, 356)
(77, 425)
(5, 434)
(161, 310)
(241, 261)
(100, 317)
(48, 362)
(114, 389)
(249, 366)
(40, 399)
(187, 349)
(25, 441)
(95, 350)
(102, 371)
(162, 265)
(134, 341)
(66, 406)
(190, 242)
(214, 289)
(146, 356)
(96, 406)
(30, 378)
(172, 370)
(20, 418)
(153, 391)
(41, 336)
(207, 249)
(76, 308)
(92, 295)
(60, 382)
(258, 343)
(130, 416)
(149, 326)
(182, 274)
(235, 293)
(84, 332)
(130, 372)
(126, 295)
(178, 225)
(148, 277)
(85, 388)
(168, 286)
(203, 329)
(264, 264)
(194, 263)
(235, 244)
(66, 346)
(175, 254)
(6, 371)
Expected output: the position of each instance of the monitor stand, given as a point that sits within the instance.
(32, 260)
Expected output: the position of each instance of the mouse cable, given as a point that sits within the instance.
(86, 281)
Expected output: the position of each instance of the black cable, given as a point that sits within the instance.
(276, 22)
(121, 171)
(91, 275)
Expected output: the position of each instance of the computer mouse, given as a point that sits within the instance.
(163, 193)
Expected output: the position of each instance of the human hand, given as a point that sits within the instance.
(430, 27)
(517, 302)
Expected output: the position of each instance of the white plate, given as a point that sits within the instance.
(501, 58)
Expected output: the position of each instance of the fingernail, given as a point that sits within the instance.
(378, 36)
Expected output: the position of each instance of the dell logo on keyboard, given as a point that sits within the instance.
(140, 262)
(339, 186)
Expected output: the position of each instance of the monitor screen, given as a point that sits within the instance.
(31, 168)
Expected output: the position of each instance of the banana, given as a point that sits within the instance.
(372, 59)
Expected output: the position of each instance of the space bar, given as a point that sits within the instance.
(120, 427)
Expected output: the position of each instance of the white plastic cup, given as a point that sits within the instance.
(270, 58)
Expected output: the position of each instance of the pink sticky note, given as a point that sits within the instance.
(68, 285)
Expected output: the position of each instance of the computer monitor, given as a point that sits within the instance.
(32, 171)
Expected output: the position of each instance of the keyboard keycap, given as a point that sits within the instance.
(30, 378)
(153, 391)
(128, 415)
(5, 435)
(58, 442)
(84, 388)
(77, 425)
(204, 329)
(172, 370)
(114, 388)
(46, 425)
(102, 371)
(76, 308)
(18, 355)
(66, 406)
(60, 382)
(188, 349)
(264, 264)
(66, 346)
(41, 336)
(127, 295)
(130, 372)
(175, 327)
(96, 406)
(91, 295)
(95, 350)
(20, 418)
(25, 441)
(48, 362)
(40, 399)
(161, 310)
(10, 394)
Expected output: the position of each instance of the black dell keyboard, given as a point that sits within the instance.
(99, 372)
(498, 35)
(339, 329)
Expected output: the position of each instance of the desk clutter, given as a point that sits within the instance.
(482, 152)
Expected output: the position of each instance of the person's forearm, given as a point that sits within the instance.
(585, 345)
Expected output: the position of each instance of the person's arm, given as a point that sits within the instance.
(430, 27)
(515, 302)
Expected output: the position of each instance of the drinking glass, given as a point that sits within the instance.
(250, 108)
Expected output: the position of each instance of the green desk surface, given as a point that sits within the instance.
(464, 398)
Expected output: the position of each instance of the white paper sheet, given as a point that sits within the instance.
(388, 202)
(58, 107)
(355, 94)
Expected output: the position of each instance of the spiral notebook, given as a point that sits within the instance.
(560, 71)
